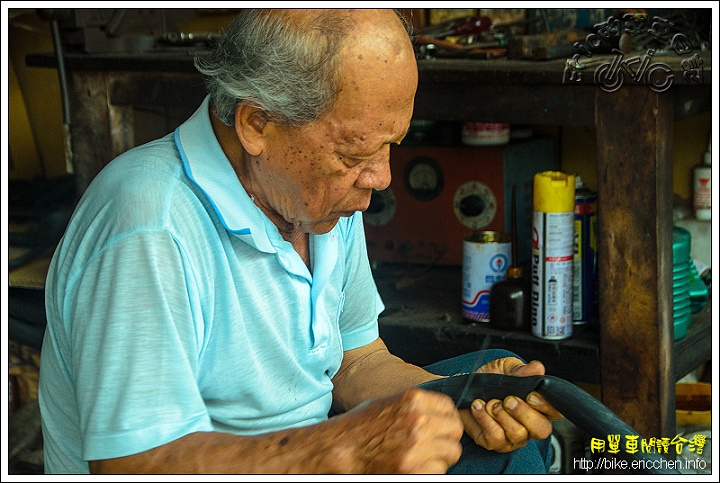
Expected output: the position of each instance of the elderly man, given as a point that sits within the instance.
(211, 307)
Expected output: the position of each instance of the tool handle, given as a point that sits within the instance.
(578, 406)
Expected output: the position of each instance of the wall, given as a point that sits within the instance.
(35, 133)
(35, 113)
(690, 141)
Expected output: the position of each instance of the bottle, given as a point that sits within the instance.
(702, 186)
(553, 246)
(510, 302)
(510, 297)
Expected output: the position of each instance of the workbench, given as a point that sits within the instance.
(632, 354)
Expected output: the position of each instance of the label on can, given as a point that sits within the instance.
(585, 265)
(486, 257)
(551, 300)
(485, 133)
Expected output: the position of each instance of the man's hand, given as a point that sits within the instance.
(413, 431)
(511, 423)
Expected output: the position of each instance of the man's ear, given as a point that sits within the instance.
(250, 124)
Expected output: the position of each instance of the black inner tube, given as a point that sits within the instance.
(577, 405)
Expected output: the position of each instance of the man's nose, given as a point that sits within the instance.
(376, 174)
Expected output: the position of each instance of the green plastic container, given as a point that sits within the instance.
(687, 283)
(681, 282)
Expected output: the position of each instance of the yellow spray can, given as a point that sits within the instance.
(553, 250)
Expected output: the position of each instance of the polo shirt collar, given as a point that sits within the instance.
(207, 166)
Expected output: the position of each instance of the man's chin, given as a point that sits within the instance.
(324, 226)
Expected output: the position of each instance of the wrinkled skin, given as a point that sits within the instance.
(306, 178)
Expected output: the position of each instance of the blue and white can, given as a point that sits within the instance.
(486, 257)
(585, 260)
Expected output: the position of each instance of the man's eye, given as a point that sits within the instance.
(351, 160)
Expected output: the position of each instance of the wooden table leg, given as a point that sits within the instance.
(634, 137)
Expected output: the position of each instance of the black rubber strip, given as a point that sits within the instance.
(577, 405)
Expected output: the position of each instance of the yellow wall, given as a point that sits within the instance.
(689, 145)
(35, 114)
(690, 141)
(23, 152)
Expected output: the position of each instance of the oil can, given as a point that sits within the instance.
(486, 257)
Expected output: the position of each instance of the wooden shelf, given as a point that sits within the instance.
(422, 323)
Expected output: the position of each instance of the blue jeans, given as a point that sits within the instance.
(534, 458)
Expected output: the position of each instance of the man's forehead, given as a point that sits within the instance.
(366, 137)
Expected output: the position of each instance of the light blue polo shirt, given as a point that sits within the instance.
(175, 306)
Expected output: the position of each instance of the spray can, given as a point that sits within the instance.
(585, 261)
(551, 300)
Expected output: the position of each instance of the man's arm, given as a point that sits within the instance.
(372, 371)
(413, 431)
(286, 451)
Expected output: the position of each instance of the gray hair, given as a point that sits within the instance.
(284, 66)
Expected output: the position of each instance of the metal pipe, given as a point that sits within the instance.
(64, 96)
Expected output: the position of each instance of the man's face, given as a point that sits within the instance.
(311, 176)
